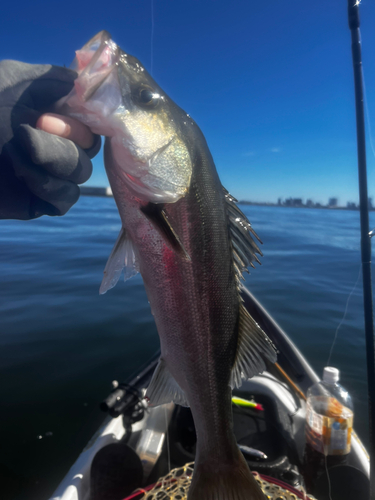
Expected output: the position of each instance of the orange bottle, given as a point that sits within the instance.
(329, 424)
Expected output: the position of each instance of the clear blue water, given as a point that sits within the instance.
(61, 344)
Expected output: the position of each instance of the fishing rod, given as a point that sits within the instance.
(353, 16)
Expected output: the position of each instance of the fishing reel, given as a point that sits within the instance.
(125, 400)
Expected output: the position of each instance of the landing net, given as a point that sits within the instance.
(175, 486)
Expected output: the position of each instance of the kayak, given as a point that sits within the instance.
(137, 444)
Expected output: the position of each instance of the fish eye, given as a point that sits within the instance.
(146, 97)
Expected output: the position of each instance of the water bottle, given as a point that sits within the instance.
(328, 428)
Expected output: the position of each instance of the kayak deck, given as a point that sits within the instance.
(137, 444)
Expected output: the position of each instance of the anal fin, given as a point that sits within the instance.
(122, 256)
(163, 387)
(254, 347)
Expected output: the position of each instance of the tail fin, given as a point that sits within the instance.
(224, 482)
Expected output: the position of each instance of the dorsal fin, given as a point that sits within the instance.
(253, 346)
(242, 234)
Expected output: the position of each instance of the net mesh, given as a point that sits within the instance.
(175, 486)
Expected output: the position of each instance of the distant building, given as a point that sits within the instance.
(351, 206)
(332, 202)
(293, 202)
(309, 203)
(279, 201)
(370, 205)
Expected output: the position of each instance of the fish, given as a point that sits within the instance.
(185, 234)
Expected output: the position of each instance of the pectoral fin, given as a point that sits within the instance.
(121, 257)
(254, 347)
(163, 388)
(159, 219)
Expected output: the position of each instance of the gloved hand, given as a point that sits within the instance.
(39, 172)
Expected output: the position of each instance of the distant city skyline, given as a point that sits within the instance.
(270, 84)
(106, 191)
(309, 203)
(333, 202)
(99, 179)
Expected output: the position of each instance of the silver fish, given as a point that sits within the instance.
(185, 234)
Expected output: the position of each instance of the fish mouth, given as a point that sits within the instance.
(157, 170)
(94, 63)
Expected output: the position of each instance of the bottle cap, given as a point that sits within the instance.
(330, 375)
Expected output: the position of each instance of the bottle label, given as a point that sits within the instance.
(339, 436)
(328, 425)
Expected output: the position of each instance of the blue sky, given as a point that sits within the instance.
(269, 83)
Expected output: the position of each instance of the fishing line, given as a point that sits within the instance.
(367, 115)
(167, 434)
(344, 316)
(329, 481)
(152, 36)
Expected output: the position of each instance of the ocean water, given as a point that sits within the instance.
(61, 344)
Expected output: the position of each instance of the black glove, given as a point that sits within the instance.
(39, 172)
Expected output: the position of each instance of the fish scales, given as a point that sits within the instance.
(201, 299)
(179, 230)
